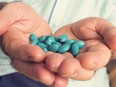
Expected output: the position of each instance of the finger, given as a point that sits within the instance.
(17, 45)
(97, 56)
(65, 30)
(108, 31)
(71, 68)
(110, 37)
(67, 67)
(53, 61)
(84, 74)
(37, 72)
(68, 55)
(60, 81)
(85, 29)
(94, 28)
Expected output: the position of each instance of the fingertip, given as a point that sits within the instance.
(110, 38)
(35, 54)
(88, 61)
(96, 57)
(43, 75)
(84, 75)
(88, 65)
(53, 61)
(111, 41)
(60, 81)
(69, 68)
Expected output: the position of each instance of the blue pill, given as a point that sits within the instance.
(64, 48)
(45, 49)
(42, 45)
(33, 39)
(62, 38)
(49, 40)
(74, 49)
(42, 38)
(80, 43)
(57, 43)
(48, 43)
(69, 41)
(54, 47)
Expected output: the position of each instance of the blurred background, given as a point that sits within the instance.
(111, 67)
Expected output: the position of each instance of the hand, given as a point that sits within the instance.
(18, 21)
(99, 36)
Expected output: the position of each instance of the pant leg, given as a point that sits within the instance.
(18, 80)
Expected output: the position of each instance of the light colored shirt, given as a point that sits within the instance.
(62, 12)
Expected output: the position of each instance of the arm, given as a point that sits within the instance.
(19, 20)
(5, 67)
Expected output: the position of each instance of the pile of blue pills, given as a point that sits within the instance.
(60, 44)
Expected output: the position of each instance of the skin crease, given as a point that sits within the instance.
(19, 20)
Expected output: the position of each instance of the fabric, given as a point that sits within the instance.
(62, 12)
(19, 80)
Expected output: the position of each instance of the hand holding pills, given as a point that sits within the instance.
(95, 54)
(54, 68)
(59, 45)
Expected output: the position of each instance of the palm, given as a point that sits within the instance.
(20, 21)
(23, 21)
(94, 49)
(94, 55)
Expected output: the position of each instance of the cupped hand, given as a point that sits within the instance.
(18, 21)
(99, 36)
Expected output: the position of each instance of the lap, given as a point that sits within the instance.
(18, 80)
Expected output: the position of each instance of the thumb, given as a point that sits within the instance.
(108, 31)
(15, 44)
(96, 28)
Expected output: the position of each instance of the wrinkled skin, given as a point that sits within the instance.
(19, 20)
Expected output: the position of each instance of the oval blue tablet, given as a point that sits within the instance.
(54, 47)
(48, 43)
(42, 45)
(74, 49)
(61, 38)
(64, 48)
(57, 43)
(42, 38)
(80, 43)
(69, 41)
(34, 42)
(45, 49)
(33, 39)
(49, 40)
